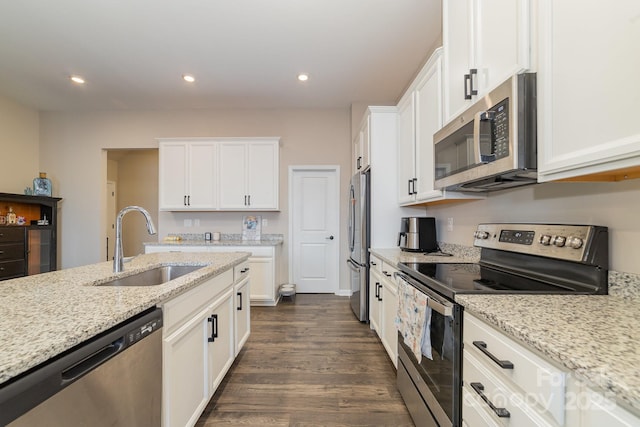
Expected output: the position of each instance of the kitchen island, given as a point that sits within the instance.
(47, 314)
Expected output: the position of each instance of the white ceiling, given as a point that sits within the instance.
(243, 53)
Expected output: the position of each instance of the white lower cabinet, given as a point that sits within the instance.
(199, 346)
(185, 389)
(533, 390)
(242, 311)
(505, 384)
(221, 339)
(375, 303)
(383, 305)
(389, 335)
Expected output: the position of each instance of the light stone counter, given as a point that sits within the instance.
(44, 315)
(225, 240)
(458, 254)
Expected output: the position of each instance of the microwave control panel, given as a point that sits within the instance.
(494, 132)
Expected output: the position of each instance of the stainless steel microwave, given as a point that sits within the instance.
(492, 145)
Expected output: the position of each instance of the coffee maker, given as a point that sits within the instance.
(418, 234)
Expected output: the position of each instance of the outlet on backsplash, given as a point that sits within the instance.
(265, 222)
(449, 224)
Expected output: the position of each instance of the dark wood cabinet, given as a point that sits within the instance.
(28, 248)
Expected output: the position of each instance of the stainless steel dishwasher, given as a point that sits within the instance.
(113, 379)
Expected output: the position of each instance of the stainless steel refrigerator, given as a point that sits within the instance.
(359, 238)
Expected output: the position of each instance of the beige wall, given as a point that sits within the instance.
(72, 151)
(137, 185)
(615, 205)
(18, 147)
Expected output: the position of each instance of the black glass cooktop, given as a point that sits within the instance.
(451, 279)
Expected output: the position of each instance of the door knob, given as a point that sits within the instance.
(330, 238)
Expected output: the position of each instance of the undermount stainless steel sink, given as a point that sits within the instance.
(154, 277)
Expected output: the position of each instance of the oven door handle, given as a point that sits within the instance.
(442, 307)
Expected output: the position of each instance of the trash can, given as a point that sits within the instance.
(287, 290)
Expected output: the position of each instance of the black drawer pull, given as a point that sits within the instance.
(482, 346)
(501, 412)
(239, 308)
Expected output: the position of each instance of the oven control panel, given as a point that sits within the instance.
(568, 242)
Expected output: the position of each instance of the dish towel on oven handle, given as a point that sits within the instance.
(413, 320)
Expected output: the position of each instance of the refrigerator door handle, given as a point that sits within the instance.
(352, 218)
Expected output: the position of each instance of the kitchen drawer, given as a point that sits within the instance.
(12, 234)
(500, 394)
(542, 382)
(473, 411)
(240, 272)
(12, 251)
(183, 307)
(387, 271)
(11, 269)
(375, 263)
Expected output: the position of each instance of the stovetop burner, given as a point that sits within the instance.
(524, 258)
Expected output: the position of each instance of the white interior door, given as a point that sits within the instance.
(111, 219)
(315, 218)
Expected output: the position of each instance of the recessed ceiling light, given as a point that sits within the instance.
(188, 78)
(77, 79)
(303, 77)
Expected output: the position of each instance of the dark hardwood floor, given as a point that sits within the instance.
(309, 363)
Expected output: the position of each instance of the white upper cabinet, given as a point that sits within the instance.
(212, 174)
(187, 175)
(406, 149)
(485, 42)
(249, 175)
(361, 147)
(588, 89)
(419, 117)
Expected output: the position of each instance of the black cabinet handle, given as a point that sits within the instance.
(380, 294)
(184, 201)
(373, 263)
(249, 200)
(473, 72)
(358, 165)
(482, 346)
(415, 181)
(244, 270)
(239, 308)
(409, 187)
(501, 412)
(188, 200)
(467, 86)
(245, 200)
(377, 290)
(386, 273)
(214, 327)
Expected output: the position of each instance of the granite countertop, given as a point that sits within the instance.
(458, 254)
(225, 240)
(46, 314)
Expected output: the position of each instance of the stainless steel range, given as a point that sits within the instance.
(515, 258)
